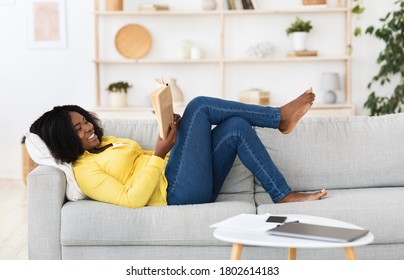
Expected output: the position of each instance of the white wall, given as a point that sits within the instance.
(34, 80)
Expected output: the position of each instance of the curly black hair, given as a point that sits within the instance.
(55, 128)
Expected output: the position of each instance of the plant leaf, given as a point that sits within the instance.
(357, 31)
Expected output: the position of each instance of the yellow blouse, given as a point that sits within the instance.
(124, 174)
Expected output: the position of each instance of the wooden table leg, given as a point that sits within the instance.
(350, 253)
(292, 254)
(236, 251)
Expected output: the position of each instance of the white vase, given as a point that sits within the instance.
(176, 92)
(118, 99)
(184, 50)
(209, 5)
(299, 41)
(333, 3)
(195, 53)
(330, 97)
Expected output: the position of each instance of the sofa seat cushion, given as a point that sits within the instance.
(94, 223)
(332, 153)
(380, 210)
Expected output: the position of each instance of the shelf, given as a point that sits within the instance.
(156, 61)
(224, 61)
(158, 13)
(126, 113)
(331, 106)
(288, 59)
(331, 110)
(227, 60)
(286, 11)
(223, 12)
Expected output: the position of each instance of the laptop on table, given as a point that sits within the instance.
(318, 232)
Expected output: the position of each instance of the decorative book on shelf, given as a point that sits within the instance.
(162, 102)
(153, 7)
(240, 4)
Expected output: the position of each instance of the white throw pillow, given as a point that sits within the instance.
(40, 153)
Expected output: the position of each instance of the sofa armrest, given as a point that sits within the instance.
(46, 188)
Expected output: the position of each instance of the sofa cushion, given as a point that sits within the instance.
(239, 180)
(95, 223)
(333, 153)
(41, 154)
(143, 131)
(380, 210)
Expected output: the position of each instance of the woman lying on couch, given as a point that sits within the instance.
(188, 167)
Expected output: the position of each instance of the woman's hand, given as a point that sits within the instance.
(163, 146)
(177, 120)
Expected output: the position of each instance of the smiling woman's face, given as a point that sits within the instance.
(85, 131)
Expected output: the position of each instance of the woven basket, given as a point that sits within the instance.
(314, 2)
(27, 163)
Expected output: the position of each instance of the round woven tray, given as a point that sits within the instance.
(133, 41)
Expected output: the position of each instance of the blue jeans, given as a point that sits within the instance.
(202, 157)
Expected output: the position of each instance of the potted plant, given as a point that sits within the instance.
(391, 61)
(299, 30)
(118, 93)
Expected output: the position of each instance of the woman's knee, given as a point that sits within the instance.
(238, 123)
(200, 101)
(234, 128)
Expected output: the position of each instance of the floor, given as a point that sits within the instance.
(13, 220)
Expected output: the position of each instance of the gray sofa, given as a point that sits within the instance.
(360, 160)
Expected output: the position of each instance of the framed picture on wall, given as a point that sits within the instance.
(46, 20)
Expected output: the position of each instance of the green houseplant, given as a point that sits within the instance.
(299, 25)
(118, 93)
(391, 61)
(119, 87)
(299, 30)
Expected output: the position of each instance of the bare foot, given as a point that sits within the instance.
(292, 112)
(299, 197)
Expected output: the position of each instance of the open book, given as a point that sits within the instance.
(162, 102)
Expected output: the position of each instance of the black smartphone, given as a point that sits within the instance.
(276, 219)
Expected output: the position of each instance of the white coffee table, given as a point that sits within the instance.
(252, 238)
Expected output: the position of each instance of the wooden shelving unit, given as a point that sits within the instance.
(222, 60)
